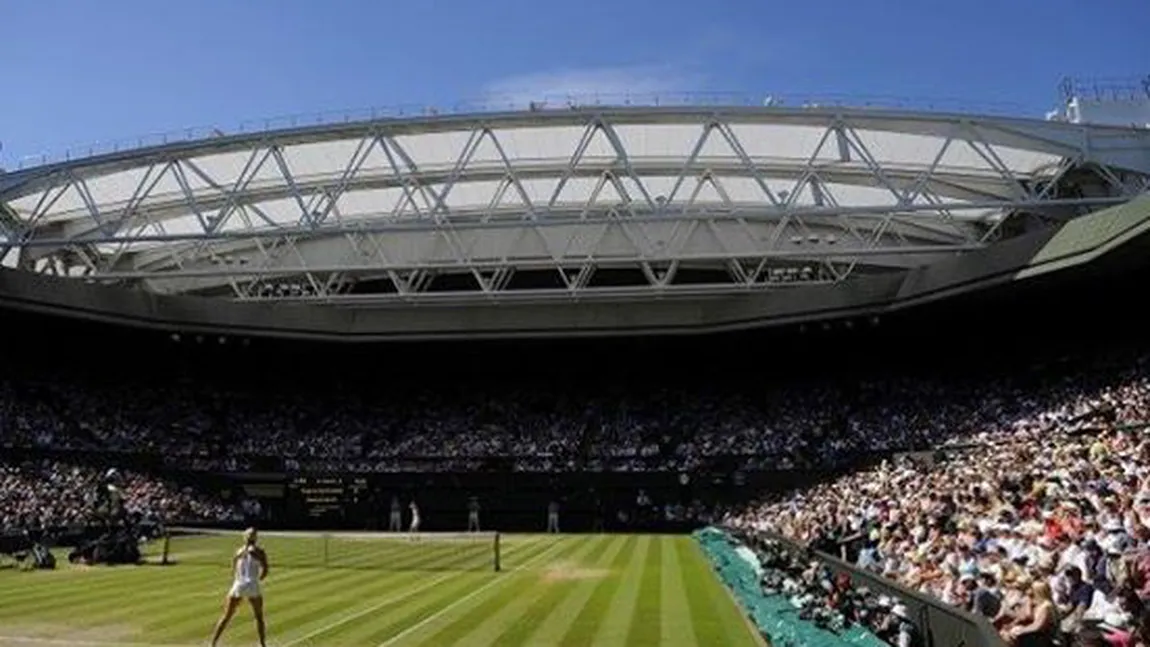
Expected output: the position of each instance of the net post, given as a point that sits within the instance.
(326, 541)
(498, 566)
(165, 560)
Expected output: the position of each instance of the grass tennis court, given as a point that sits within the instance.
(553, 590)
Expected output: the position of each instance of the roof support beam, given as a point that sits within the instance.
(484, 219)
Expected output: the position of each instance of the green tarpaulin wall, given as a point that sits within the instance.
(776, 618)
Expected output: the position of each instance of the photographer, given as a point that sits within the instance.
(110, 499)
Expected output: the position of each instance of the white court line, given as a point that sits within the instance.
(439, 614)
(379, 605)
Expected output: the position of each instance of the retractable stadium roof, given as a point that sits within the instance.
(546, 203)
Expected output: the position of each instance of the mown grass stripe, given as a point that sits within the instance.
(27, 641)
(352, 605)
(46, 597)
(92, 577)
(646, 621)
(86, 597)
(616, 624)
(551, 629)
(67, 572)
(714, 614)
(179, 603)
(521, 615)
(582, 631)
(405, 609)
(707, 622)
(305, 599)
(393, 552)
(559, 589)
(493, 585)
(471, 614)
(393, 598)
(334, 624)
(68, 598)
(192, 609)
(317, 607)
(311, 601)
(675, 619)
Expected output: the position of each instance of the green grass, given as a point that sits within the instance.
(553, 590)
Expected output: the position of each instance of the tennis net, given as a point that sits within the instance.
(352, 550)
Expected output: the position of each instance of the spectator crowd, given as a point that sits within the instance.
(628, 427)
(1040, 522)
(47, 494)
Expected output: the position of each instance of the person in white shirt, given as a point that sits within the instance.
(414, 528)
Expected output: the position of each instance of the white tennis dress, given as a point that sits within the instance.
(247, 576)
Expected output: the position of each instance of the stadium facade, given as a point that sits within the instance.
(573, 220)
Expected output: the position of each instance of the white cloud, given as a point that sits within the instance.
(608, 83)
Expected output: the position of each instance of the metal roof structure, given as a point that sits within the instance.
(560, 203)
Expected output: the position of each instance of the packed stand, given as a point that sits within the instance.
(538, 429)
(1041, 523)
(46, 494)
(535, 427)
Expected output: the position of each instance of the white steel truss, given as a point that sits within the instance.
(548, 204)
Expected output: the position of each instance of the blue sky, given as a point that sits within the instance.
(79, 71)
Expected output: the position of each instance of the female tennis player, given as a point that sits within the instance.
(249, 568)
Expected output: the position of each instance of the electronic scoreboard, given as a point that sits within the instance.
(326, 496)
